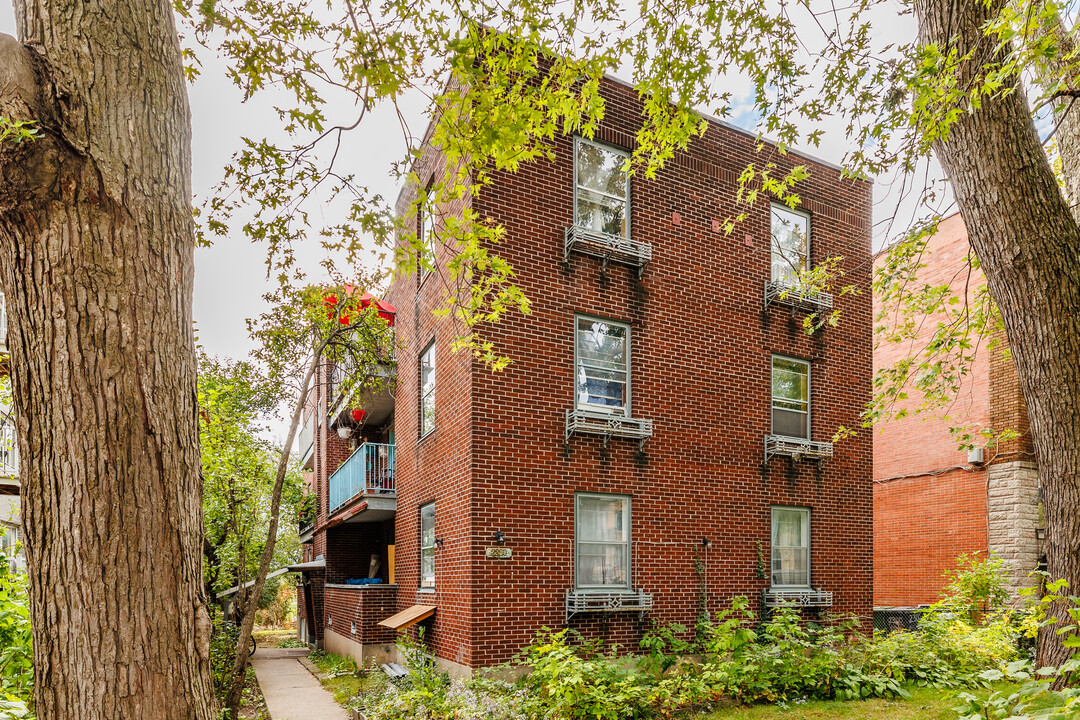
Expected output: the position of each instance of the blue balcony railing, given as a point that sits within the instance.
(368, 470)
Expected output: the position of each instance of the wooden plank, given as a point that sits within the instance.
(408, 617)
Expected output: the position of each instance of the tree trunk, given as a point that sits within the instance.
(96, 261)
(1028, 243)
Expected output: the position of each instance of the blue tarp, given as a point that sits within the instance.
(363, 581)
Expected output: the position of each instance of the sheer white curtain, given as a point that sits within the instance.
(603, 541)
(790, 547)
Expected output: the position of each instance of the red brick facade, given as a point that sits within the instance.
(700, 357)
(930, 503)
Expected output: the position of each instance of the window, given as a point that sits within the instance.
(790, 547)
(790, 243)
(426, 223)
(602, 542)
(601, 189)
(602, 362)
(790, 397)
(427, 545)
(427, 389)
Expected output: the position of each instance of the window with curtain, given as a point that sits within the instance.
(601, 188)
(427, 389)
(602, 542)
(790, 243)
(790, 397)
(602, 365)
(790, 547)
(427, 545)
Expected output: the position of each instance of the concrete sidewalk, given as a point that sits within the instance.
(291, 692)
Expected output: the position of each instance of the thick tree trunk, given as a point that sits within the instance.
(96, 261)
(1028, 242)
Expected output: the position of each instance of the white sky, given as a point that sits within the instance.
(231, 276)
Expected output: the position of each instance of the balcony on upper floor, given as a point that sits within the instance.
(9, 460)
(368, 475)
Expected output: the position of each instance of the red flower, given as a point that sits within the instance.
(331, 299)
(358, 414)
(344, 320)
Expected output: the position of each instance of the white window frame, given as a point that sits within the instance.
(809, 395)
(429, 350)
(578, 140)
(425, 549)
(609, 409)
(628, 587)
(772, 546)
(781, 207)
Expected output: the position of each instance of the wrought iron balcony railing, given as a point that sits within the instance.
(784, 293)
(606, 247)
(796, 448)
(368, 470)
(607, 425)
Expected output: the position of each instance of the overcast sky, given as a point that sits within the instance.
(231, 276)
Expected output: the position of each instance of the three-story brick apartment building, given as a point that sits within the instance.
(661, 438)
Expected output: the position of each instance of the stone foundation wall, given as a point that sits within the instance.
(1014, 517)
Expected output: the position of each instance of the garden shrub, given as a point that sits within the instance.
(582, 681)
(16, 645)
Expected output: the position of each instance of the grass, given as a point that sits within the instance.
(272, 638)
(340, 676)
(924, 704)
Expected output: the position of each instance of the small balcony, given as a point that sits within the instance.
(796, 448)
(781, 292)
(369, 472)
(9, 452)
(606, 247)
(607, 425)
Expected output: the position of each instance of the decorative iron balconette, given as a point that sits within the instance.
(796, 598)
(784, 293)
(608, 426)
(606, 247)
(592, 602)
(796, 448)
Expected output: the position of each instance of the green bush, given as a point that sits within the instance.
(582, 681)
(16, 645)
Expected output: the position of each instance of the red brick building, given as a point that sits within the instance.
(932, 501)
(661, 439)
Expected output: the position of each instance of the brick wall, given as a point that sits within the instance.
(930, 504)
(357, 609)
(700, 367)
(920, 525)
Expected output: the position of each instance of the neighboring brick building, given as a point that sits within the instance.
(658, 409)
(933, 502)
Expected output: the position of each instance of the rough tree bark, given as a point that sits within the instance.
(1028, 243)
(96, 261)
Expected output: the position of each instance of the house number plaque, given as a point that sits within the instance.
(499, 553)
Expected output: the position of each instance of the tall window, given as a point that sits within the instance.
(790, 243)
(790, 547)
(602, 542)
(427, 545)
(601, 189)
(426, 260)
(602, 362)
(427, 389)
(790, 397)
